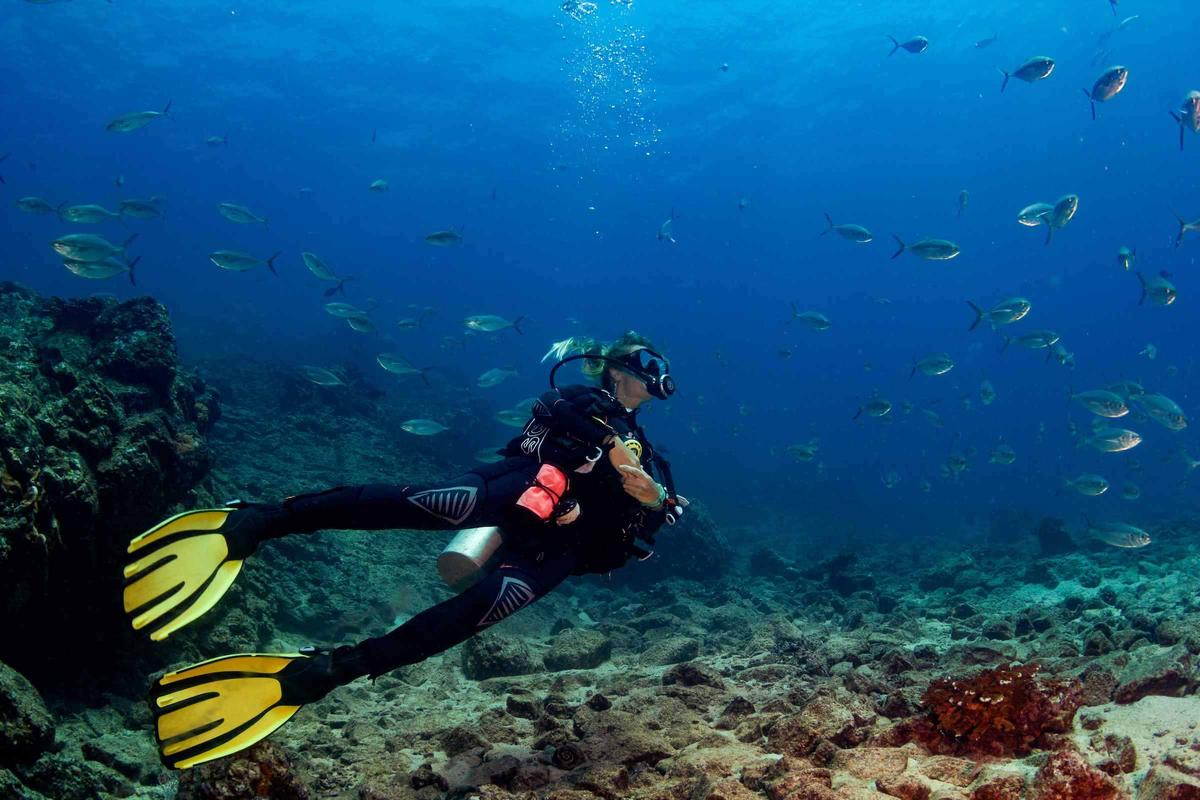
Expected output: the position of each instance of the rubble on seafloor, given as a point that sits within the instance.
(979, 672)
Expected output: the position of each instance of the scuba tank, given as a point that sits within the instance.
(468, 555)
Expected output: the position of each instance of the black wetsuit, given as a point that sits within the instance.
(567, 430)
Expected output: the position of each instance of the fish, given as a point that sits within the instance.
(1102, 403)
(86, 214)
(35, 205)
(1087, 484)
(1119, 534)
(891, 479)
(874, 408)
(399, 365)
(409, 323)
(422, 427)
(490, 323)
(1131, 491)
(932, 417)
(138, 119)
(489, 455)
(1188, 115)
(1063, 212)
(88, 247)
(360, 324)
(239, 214)
(803, 452)
(1034, 214)
(743, 203)
(1006, 312)
(444, 238)
(1034, 69)
(1158, 289)
(318, 267)
(988, 42)
(217, 141)
(1107, 86)
(1035, 340)
(1163, 410)
(936, 364)
(925, 485)
(1185, 227)
(1127, 389)
(496, 376)
(928, 249)
(234, 261)
(987, 393)
(1003, 454)
(142, 209)
(963, 198)
(1149, 351)
(344, 311)
(917, 44)
(855, 233)
(665, 230)
(1125, 257)
(813, 320)
(100, 270)
(1113, 440)
(1062, 355)
(379, 185)
(512, 417)
(320, 376)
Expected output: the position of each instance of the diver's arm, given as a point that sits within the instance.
(575, 412)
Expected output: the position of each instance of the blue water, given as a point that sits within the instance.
(559, 145)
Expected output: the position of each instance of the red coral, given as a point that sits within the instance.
(1003, 711)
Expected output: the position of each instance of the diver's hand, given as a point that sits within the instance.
(638, 484)
(619, 454)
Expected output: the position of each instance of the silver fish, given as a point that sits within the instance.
(1188, 115)
(361, 324)
(1003, 454)
(1035, 340)
(100, 270)
(320, 376)
(855, 233)
(399, 365)
(1102, 403)
(937, 364)
(804, 452)
(987, 393)
(89, 247)
(813, 320)
(1006, 312)
(142, 209)
(1163, 410)
(1034, 214)
(444, 238)
(1159, 290)
(1114, 440)
(1087, 484)
(86, 214)
(1185, 227)
(1118, 534)
(138, 119)
(1125, 258)
(1131, 491)
(1107, 86)
(917, 44)
(928, 249)
(423, 427)
(239, 214)
(490, 323)
(35, 205)
(496, 376)
(1063, 212)
(1034, 69)
(234, 261)
(318, 267)
(344, 311)
(379, 185)
(217, 141)
(876, 407)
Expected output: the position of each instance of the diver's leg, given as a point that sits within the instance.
(515, 584)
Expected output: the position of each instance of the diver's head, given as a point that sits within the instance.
(634, 372)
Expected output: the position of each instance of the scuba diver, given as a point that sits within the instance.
(579, 491)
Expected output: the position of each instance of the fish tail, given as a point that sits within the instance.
(900, 242)
(1007, 342)
(895, 44)
(858, 413)
(978, 315)
(828, 219)
(1006, 75)
(1142, 299)
(125, 244)
(271, 262)
(795, 312)
(517, 325)
(913, 374)
(133, 264)
(1088, 95)
(63, 205)
(167, 108)
(1049, 232)
(425, 375)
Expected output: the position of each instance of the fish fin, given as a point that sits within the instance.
(1049, 232)
(128, 241)
(913, 374)
(1007, 342)
(828, 219)
(895, 44)
(858, 413)
(978, 316)
(1164, 273)
(517, 325)
(167, 108)
(425, 375)
(133, 264)
(902, 246)
(271, 262)
(1004, 85)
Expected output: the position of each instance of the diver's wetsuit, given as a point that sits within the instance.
(567, 430)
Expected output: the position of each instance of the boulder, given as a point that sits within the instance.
(26, 727)
(577, 648)
(693, 673)
(1156, 670)
(489, 655)
(1066, 775)
(671, 650)
(1164, 783)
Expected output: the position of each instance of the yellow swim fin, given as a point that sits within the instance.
(182, 566)
(223, 705)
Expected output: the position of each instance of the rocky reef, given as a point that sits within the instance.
(1029, 669)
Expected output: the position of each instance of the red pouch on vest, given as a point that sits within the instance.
(548, 488)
